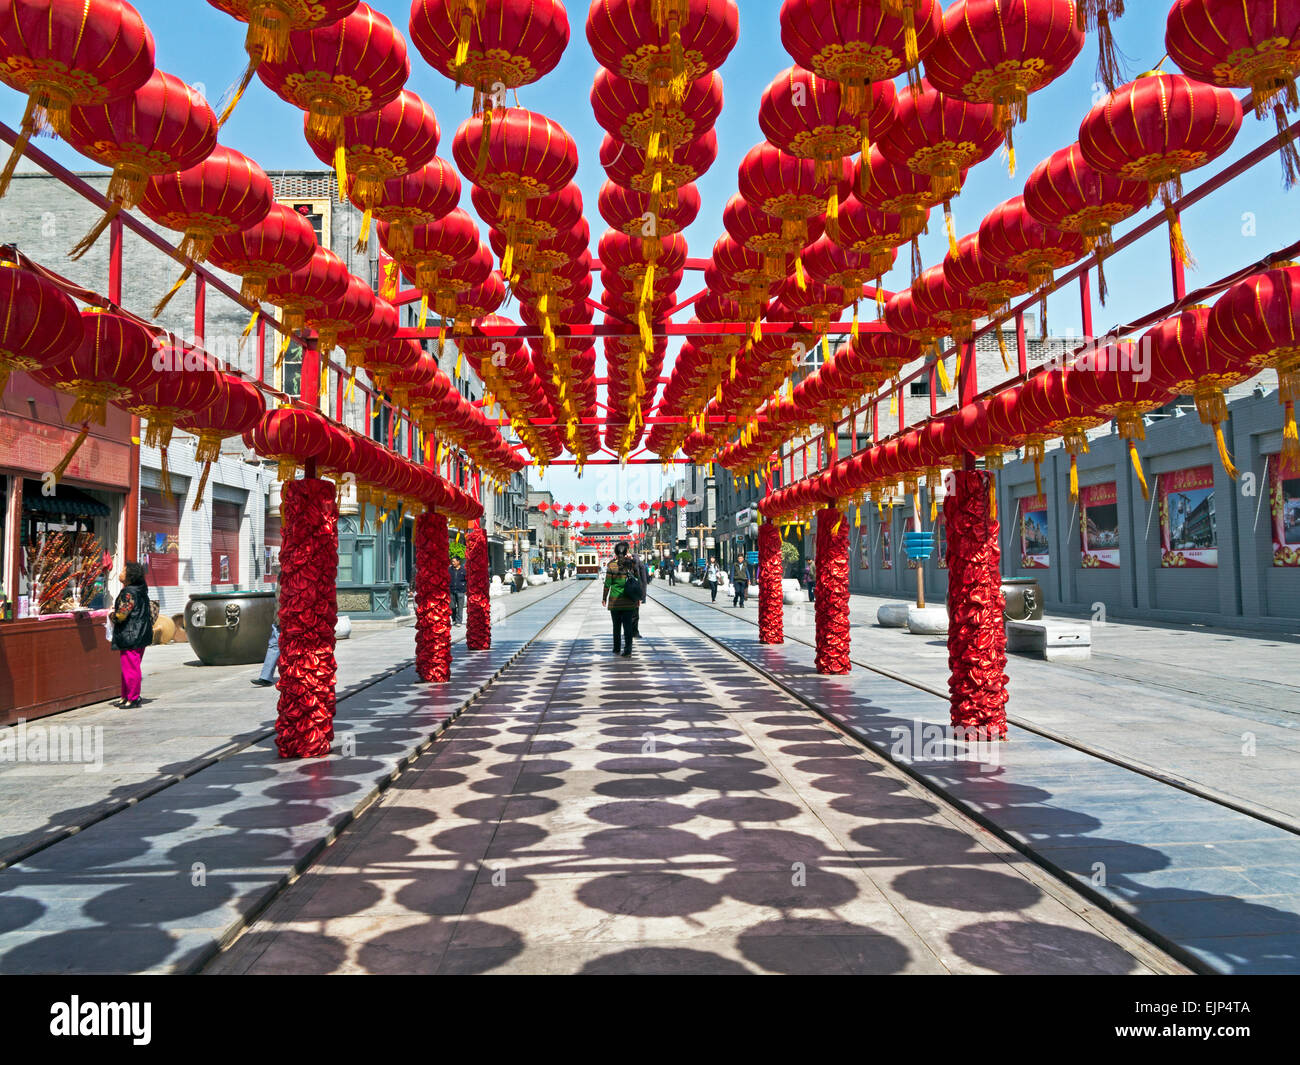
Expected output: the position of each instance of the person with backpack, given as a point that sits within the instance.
(623, 595)
(739, 581)
(132, 630)
(711, 577)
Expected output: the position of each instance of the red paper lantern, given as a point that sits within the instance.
(391, 357)
(39, 325)
(858, 42)
(1183, 362)
(791, 189)
(1156, 129)
(627, 165)
(310, 289)
(518, 155)
(999, 51)
(291, 437)
(224, 194)
(349, 312)
(347, 67)
(114, 357)
(768, 235)
(415, 199)
(955, 307)
(509, 44)
(378, 146)
(236, 410)
(808, 116)
(185, 381)
(1012, 238)
(282, 242)
(896, 189)
(1253, 46)
(380, 326)
(974, 273)
(867, 231)
(62, 55)
(625, 110)
(1259, 319)
(631, 212)
(1064, 192)
(162, 127)
(437, 247)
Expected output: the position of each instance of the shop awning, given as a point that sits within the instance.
(66, 500)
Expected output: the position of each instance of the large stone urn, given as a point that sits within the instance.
(1024, 596)
(230, 628)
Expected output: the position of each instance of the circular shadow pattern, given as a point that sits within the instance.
(642, 788)
(650, 895)
(1038, 948)
(648, 814)
(662, 961)
(825, 948)
(823, 890)
(747, 808)
(967, 888)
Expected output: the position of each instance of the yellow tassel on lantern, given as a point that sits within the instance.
(854, 332)
(424, 310)
(1137, 468)
(1074, 478)
(944, 382)
(460, 356)
(341, 169)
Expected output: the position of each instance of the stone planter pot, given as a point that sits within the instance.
(230, 628)
(1024, 597)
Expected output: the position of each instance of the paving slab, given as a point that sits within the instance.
(1100, 824)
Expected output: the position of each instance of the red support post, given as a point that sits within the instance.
(261, 348)
(1022, 346)
(832, 605)
(478, 622)
(771, 611)
(432, 599)
(309, 386)
(1085, 302)
(200, 308)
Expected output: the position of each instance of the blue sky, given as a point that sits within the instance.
(1232, 228)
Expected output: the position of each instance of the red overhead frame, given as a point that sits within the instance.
(968, 387)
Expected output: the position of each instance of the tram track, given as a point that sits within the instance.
(1201, 791)
(164, 781)
(1062, 876)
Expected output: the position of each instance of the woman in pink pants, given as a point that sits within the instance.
(132, 630)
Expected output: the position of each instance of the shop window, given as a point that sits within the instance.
(225, 543)
(64, 556)
(160, 537)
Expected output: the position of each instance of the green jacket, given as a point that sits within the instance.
(616, 576)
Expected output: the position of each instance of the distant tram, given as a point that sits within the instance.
(592, 563)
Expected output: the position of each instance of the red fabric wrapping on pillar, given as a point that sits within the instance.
(478, 623)
(977, 639)
(432, 599)
(832, 592)
(309, 560)
(771, 614)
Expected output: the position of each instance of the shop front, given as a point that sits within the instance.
(62, 552)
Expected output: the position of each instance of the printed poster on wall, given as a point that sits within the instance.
(886, 549)
(1099, 526)
(1035, 546)
(1189, 537)
(1285, 506)
(941, 541)
(864, 549)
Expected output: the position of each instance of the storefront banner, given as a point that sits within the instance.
(1285, 505)
(1035, 543)
(1099, 526)
(1188, 532)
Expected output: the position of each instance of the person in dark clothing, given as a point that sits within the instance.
(267, 677)
(739, 582)
(456, 584)
(132, 630)
(810, 581)
(624, 610)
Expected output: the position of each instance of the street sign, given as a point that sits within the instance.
(751, 557)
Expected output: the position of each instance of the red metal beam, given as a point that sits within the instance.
(592, 332)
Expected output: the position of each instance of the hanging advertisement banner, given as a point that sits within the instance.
(1284, 481)
(886, 548)
(1035, 544)
(1189, 536)
(864, 549)
(1099, 526)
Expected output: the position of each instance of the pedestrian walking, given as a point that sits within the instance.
(623, 595)
(132, 630)
(267, 677)
(672, 573)
(739, 582)
(810, 581)
(711, 577)
(456, 584)
(644, 574)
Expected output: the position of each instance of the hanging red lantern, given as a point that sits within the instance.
(415, 199)
(236, 410)
(1258, 319)
(897, 190)
(905, 317)
(1184, 363)
(663, 46)
(62, 55)
(1012, 238)
(437, 247)
(380, 326)
(114, 357)
(627, 165)
(999, 51)
(768, 235)
(790, 188)
(308, 290)
(520, 156)
(416, 380)
(163, 127)
(377, 146)
(1243, 46)
(974, 273)
(391, 357)
(270, 22)
(1064, 192)
(624, 109)
(282, 242)
(184, 383)
(955, 307)
(291, 437)
(1053, 407)
(349, 312)
(941, 137)
(477, 302)
(860, 42)
(512, 43)
(1156, 129)
(224, 194)
(632, 213)
(40, 324)
(808, 117)
(869, 232)
(464, 275)
(1115, 379)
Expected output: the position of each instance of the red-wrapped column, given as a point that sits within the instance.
(771, 613)
(832, 592)
(309, 561)
(478, 622)
(432, 599)
(977, 639)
